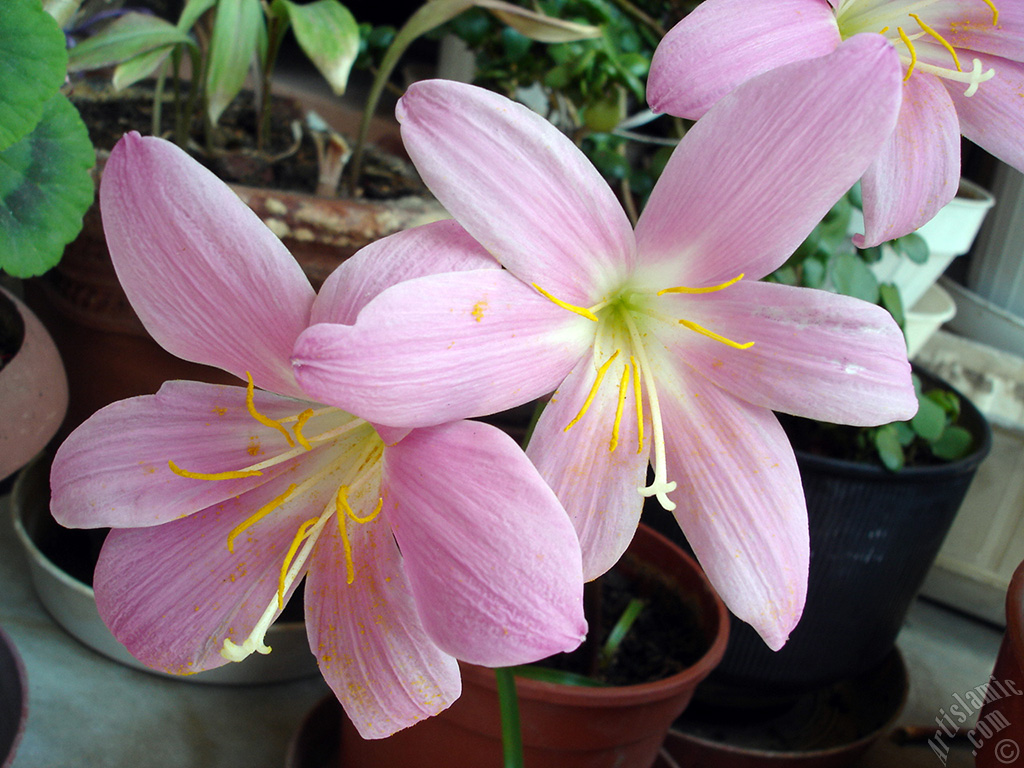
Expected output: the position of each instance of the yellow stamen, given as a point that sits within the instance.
(341, 502)
(581, 311)
(254, 518)
(300, 536)
(712, 335)
(942, 41)
(883, 30)
(913, 53)
(230, 475)
(265, 420)
(708, 289)
(995, 11)
(639, 405)
(305, 416)
(619, 407)
(593, 390)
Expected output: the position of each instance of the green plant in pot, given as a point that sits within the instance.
(45, 187)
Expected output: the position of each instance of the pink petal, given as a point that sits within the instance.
(209, 281)
(443, 347)
(113, 470)
(740, 503)
(431, 249)
(173, 593)
(753, 176)
(816, 354)
(993, 118)
(918, 170)
(367, 637)
(492, 560)
(520, 187)
(598, 487)
(722, 43)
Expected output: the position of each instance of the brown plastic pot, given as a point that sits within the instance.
(998, 736)
(562, 726)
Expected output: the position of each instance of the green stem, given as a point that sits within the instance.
(508, 704)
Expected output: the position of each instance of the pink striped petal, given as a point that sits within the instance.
(596, 485)
(368, 639)
(753, 176)
(722, 43)
(113, 470)
(172, 594)
(816, 354)
(209, 281)
(740, 503)
(492, 560)
(918, 169)
(993, 118)
(443, 347)
(968, 26)
(431, 249)
(520, 187)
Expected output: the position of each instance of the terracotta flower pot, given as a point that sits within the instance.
(33, 393)
(563, 726)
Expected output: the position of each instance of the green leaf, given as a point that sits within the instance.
(890, 451)
(955, 443)
(913, 246)
(905, 434)
(63, 11)
(556, 676)
(192, 11)
(813, 273)
(139, 67)
(930, 419)
(537, 26)
(852, 277)
(889, 297)
(126, 38)
(45, 188)
(33, 62)
(328, 33)
(947, 401)
(233, 46)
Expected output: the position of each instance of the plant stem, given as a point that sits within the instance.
(508, 704)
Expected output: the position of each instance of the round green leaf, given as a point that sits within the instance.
(852, 277)
(955, 443)
(930, 419)
(33, 64)
(887, 443)
(914, 247)
(45, 188)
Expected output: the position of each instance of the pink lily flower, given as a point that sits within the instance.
(418, 546)
(963, 69)
(664, 347)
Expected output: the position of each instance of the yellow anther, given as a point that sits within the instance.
(230, 475)
(942, 41)
(913, 53)
(300, 536)
(593, 390)
(708, 289)
(639, 405)
(260, 513)
(305, 416)
(265, 420)
(712, 335)
(619, 407)
(581, 311)
(342, 501)
(883, 30)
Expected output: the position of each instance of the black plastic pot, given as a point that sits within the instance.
(874, 535)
